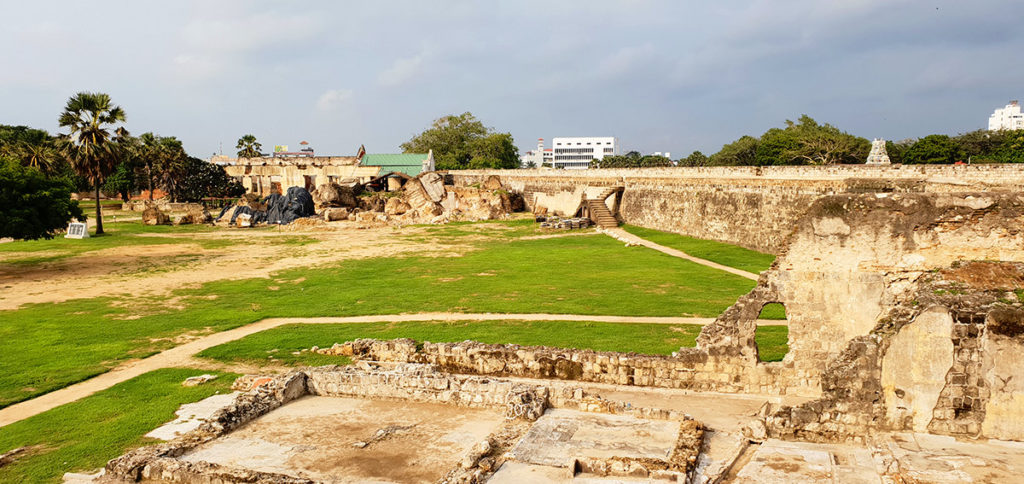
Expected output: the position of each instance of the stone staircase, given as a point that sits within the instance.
(598, 211)
(600, 214)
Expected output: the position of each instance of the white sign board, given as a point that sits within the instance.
(77, 230)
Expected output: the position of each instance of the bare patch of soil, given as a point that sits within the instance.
(157, 270)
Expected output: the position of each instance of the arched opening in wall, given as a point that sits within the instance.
(772, 333)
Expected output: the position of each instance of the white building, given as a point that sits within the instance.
(539, 158)
(577, 153)
(1009, 117)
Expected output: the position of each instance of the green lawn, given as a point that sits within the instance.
(772, 342)
(84, 435)
(116, 234)
(725, 254)
(278, 345)
(48, 346)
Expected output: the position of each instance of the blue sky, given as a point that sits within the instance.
(661, 75)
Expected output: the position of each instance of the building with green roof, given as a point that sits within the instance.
(411, 164)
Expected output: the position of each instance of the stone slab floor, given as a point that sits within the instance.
(321, 438)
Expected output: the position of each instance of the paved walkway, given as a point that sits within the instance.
(182, 355)
(626, 236)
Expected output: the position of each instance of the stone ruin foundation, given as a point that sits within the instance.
(515, 414)
(906, 324)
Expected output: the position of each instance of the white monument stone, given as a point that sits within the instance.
(878, 156)
(77, 230)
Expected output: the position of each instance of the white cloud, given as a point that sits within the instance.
(333, 99)
(401, 71)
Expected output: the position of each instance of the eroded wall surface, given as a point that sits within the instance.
(755, 207)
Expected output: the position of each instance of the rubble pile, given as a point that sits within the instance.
(276, 209)
(423, 199)
(564, 223)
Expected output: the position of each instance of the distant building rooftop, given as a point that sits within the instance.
(411, 164)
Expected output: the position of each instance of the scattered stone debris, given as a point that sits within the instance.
(198, 380)
(564, 223)
(153, 216)
(275, 209)
(195, 213)
(525, 402)
(382, 434)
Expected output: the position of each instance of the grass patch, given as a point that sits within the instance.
(772, 342)
(48, 346)
(277, 345)
(725, 254)
(84, 435)
(773, 311)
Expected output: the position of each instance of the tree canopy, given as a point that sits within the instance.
(248, 147)
(463, 142)
(203, 179)
(33, 205)
(694, 159)
(934, 148)
(801, 142)
(633, 159)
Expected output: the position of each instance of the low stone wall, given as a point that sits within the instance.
(689, 369)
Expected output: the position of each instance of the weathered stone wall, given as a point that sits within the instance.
(756, 207)
(889, 313)
(693, 371)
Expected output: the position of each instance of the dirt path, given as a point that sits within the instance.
(181, 356)
(626, 236)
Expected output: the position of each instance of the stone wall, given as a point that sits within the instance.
(755, 207)
(692, 370)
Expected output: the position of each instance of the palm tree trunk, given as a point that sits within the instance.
(149, 179)
(99, 216)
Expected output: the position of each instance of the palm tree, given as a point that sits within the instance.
(42, 156)
(88, 116)
(248, 147)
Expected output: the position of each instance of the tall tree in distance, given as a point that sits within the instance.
(248, 147)
(462, 141)
(89, 117)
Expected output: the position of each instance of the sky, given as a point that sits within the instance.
(672, 76)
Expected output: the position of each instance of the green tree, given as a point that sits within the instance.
(204, 179)
(981, 145)
(776, 146)
(896, 149)
(122, 181)
(32, 205)
(1011, 149)
(493, 151)
(633, 159)
(694, 159)
(89, 116)
(34, 147)
(248, 147)
(741, 152)
(462, 141)
(934, 148)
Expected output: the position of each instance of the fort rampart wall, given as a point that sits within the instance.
(756, 207)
